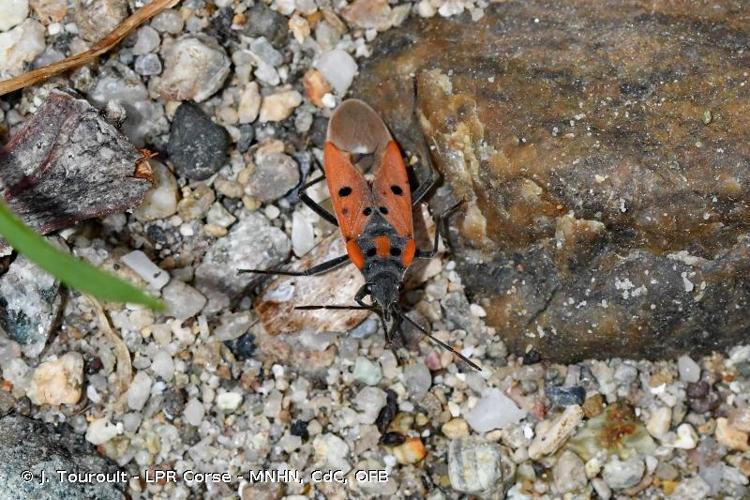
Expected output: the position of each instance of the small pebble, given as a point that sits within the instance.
(476, 466)
(197, 146)
(182, 301)
(139, 391)
(143, 267)
(659, 422)
(275, 175)
(13, 13)
(195, 69)
(689, 369)
(366, 371)
(101, 430)
(565, 396)
(623, 474)
(338, 68)
(277, 107)
(455, 428)
(370, 401)
(729, 436)
(551, 440)
(410, 451)
(193, 412)
(417, 379)
(687, 438)
(57, 382)
(229, 401)
(494, 411)
(569, 473)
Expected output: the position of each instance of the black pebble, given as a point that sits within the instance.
(247, 136)
(385, 417)
(299, 428)
(266, 22)
(392, 439)
(197, 146)
(532, 357)
(243, 347)
(565, 396)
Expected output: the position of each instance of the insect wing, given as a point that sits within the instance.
(349, 191)
(392, 191)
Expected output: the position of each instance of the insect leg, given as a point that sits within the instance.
(424, 188)
(315, 270)
(441, 343)
(315, 207)
(335, 307)
(429, 254)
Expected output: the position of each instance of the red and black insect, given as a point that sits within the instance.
(374, 216)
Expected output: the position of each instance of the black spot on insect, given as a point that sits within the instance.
(367, 211)
(371, 252)
(345, 191)
(383, 210)
(395, 251)
(397, 190)
(345, 211)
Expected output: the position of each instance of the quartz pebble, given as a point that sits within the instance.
(143, 267)
(229, 401)
(476, 466)
(147, 41)
(303, 234)
(569, 473)
(729, 436)
(148, 65)
(455, 428)
(623, 474)
(410, 451)
(19, 46)
(139, 391)
(338, 68)
(417, 379)
(366, 371)
(160, 201)
(58, 381)
(162, 365)
(195, 69)
(558, 432)
(182, 301)
(494, 411)
(659, 422)
(193, 412)
(101, 430)
(13, 13)
(275, 175)
(249, 105)
(369, 401)
(689, 369)
(331, 451)
(687, 438)
(277, 107)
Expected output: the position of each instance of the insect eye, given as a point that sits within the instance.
(345, 191)
(367, 211)
(383, 210)
(395, 251)
(371, 252)
(397, 190)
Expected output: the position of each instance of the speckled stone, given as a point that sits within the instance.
(604, 215)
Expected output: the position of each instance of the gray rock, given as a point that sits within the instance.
(417, 379)
(569, 472)
(196, 68)
(252, 243)
(370, 400)
(30, 445)
(148, 65)
(147, 41)
(265, 52)
(197, 146)
(262, 21)
(623, 474)
(182, 300)
(144, 117)
(30, 305)
(275, 175)
(479, 467)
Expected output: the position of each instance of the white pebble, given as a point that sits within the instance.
(193, 412)
(689, 369)
(229, 401)
(163, 365)
(100, 431)
(12, 13)
(303, 235)
(139, 391)
(494, 411)
(339, 68)
(143, 267)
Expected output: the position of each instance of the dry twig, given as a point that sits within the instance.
(124, 368)
(102, 46)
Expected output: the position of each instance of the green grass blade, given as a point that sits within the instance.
(70, 270)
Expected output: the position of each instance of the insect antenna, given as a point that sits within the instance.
(333, 306)
(440, 342)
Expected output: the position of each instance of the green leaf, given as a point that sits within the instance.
(74, 272)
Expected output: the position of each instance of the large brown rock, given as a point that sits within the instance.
(604, 151)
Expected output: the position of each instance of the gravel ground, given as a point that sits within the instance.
(212, 392)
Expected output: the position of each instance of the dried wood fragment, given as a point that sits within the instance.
(68, 164)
